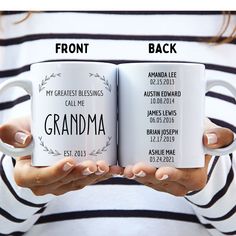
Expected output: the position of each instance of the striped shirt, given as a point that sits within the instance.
(119, 206)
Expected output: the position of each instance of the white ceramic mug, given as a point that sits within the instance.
(162, 112)
(73, 112)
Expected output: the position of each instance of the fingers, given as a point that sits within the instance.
(102, 168)
(72, 186)
(116, 170)
(146, 175)
(191, 179)
(21, 139)
(14, 134)
(168, 179)
(173, 188)
(28, 176)
(218, 137)
(144, 171)
(83, 174)
(170, 174)
(83, 171)
(128, 173)
(61, 187)
(139, 170)
(77, 184)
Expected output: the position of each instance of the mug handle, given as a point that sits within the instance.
(231, 147)
(5, 148)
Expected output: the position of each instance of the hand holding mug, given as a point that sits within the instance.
(179, 182)
(62, 177)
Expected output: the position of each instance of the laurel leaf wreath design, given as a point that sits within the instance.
(48, 150)
(105, 81)
(47, 78)
(103, 149)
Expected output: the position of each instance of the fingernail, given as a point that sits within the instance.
(67, 166)
(141, 174)
(21, 137)
(164, 177)
(99, 171)
(211, 138)
(132, 177)
(87, 171)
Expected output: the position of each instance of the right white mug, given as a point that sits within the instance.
(162, 112)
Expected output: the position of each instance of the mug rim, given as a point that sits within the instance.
(162, 63)
(69, 62)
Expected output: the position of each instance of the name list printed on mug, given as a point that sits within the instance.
(163, 92)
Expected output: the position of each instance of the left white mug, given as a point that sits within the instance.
(73, 106)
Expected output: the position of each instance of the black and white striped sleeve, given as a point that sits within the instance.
(19, 207)
(215, 204)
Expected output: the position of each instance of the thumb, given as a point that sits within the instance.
(218, 137)
(14, 135)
